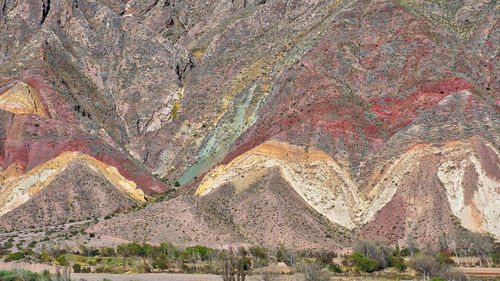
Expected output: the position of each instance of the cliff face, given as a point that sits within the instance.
(383, 116)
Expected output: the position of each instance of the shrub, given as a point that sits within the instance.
(495, 258)
(364, 264)
(398, 263)
(333, 267)
(62, 260)
(107, 252)
(15, 275)
(288, 256)
(160, 264)
(45, 257)
(258, 252)
(429, 265)
(15, 256)
(77, 268)
(377, 251)
(260, 262)
(197, 251)
(445, 258)
(46, 274)
(311, 271)
(406, 252)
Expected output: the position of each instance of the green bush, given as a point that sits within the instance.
(107, 252)
(15, 256)
(333, 267)
(7, 245)
(77, 268)
(258, 252)
(437, 279)
(197, 251)
(16, 275)
(375, 250)
(406, 252)
(260, 262)
(496, 258)
(398, 263)
(445, 258)
(364, 264)
(160, 264)
(45, 257)
(46, 274)
(62, 260)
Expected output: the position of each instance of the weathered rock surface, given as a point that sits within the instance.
(267, 212)
(69, 187)
(359, 110)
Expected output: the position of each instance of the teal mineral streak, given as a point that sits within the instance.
(233, 125)
(222, 137)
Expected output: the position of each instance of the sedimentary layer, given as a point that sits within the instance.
(472, 197)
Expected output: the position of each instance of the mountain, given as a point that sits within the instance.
(306, 123)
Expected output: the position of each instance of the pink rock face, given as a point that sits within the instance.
(31, 140)
(311, 100)
(489, 162)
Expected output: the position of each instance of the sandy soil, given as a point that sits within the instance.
(33, 267)
(481, 271)
(167, 277)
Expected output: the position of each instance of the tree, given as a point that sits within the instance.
(377, 250)
(258, 252)
(229, 267)
(483, 247)
(288, 256)
(123, 252)
(411, 247)
(311, 271)
(426, 265)
(236, 265)
(243, 264)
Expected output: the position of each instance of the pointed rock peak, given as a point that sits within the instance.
(22, 98)
(17, 188)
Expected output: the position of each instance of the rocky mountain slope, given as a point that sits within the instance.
(308, 123)
(268, 212)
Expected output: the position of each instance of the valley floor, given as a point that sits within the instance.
(166, 277)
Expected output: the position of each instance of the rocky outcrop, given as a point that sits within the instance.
(380, 115)
(421, 193)
(70, 187)
(22, 98)
(267, 212)
(17, 188)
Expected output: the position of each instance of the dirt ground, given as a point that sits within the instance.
(481, 271)
(167, 277)
(33, 267)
